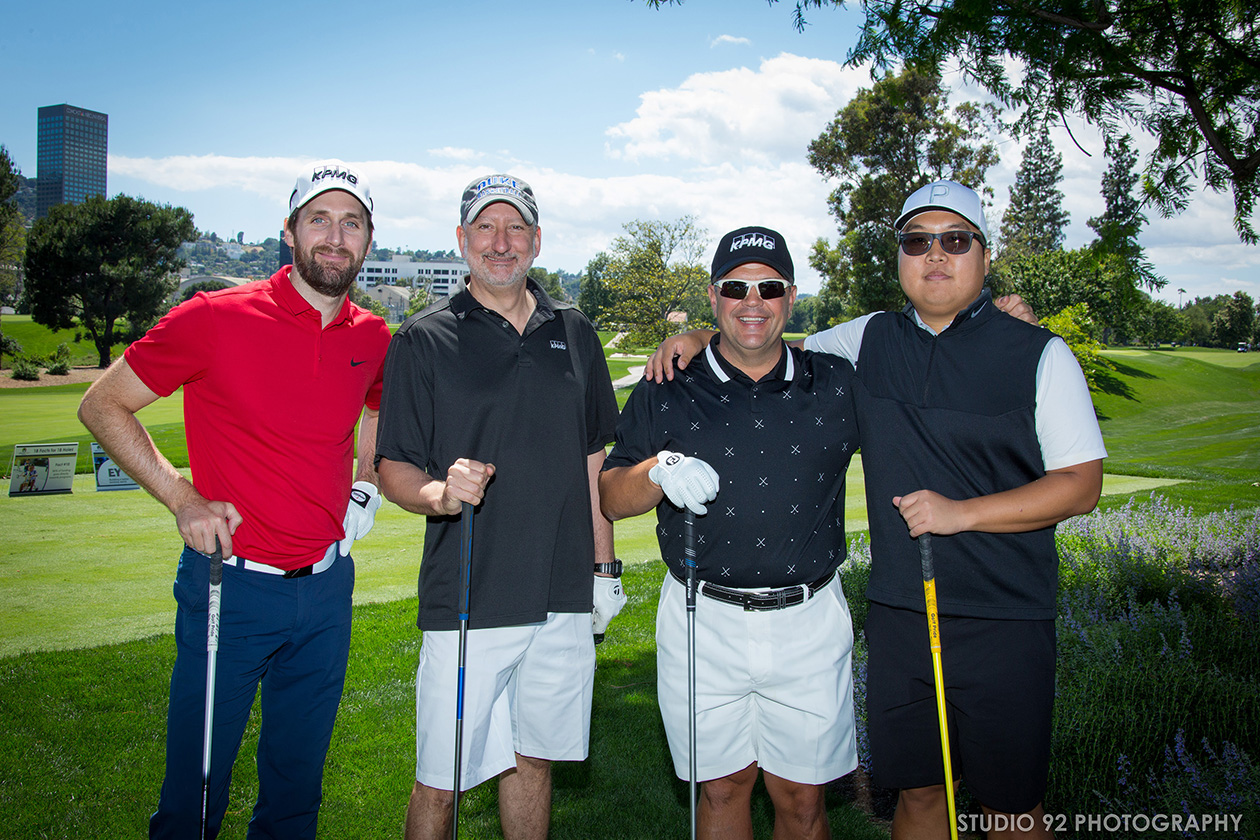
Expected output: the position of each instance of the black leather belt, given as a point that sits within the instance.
(769, 599)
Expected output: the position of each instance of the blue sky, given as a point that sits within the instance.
(612, 111)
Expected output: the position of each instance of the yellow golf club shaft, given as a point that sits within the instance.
(934, 640)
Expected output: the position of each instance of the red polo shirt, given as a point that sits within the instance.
(270, 403)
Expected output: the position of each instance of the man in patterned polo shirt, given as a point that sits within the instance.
(773, 633)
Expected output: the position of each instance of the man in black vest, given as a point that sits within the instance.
(978, 428)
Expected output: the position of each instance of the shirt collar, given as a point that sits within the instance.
(724, 371)
(463, 302)
(285, 292)
(973, 309)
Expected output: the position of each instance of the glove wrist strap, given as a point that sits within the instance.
(613, 568)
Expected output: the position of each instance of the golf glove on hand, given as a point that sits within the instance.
(687, 482)
(609, 599)
(365, 500)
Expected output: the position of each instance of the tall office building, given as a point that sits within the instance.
(72, 154)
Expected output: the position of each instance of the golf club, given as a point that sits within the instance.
(465, 575)
(934, 640)
(212, 655)
(689, 560)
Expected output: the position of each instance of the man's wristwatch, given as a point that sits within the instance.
(613, 568)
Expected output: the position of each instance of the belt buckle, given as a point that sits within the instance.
(297, 573)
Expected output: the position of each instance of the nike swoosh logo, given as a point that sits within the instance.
(353, 363)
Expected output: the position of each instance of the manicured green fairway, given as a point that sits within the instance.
(1187, 414)
(86, 611)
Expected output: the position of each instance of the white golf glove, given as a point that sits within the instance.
(687, 482)
(365, 500)
(609, 599)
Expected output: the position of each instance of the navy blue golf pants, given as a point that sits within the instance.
(292, 636)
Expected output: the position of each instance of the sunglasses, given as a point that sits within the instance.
(952, 242)
(738, 289)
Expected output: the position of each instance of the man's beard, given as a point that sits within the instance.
(327, 280)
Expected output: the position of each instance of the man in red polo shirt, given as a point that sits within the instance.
(275, 375)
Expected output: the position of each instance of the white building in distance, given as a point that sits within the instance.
(440, 277)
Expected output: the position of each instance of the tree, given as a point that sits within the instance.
(550, 282)
(95, 263)
(1122, 220)
(420, 298)
(371, 304)
(1074, 325)
(888, 141)
(655, 269)
(594, 298)
(802, 318)
(1055, 280)
(1200, 313)
(203, 286)
(1187, 72)
(12, 231)
(1235, 321)
(1035, 219)
(1167, 323)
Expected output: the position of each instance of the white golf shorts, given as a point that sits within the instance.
(527, 690)
(773, 687)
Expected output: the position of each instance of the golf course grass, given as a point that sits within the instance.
(86, 612)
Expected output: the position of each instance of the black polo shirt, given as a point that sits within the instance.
(460, 382)
(780, 447)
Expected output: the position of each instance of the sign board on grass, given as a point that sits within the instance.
(109, 476)
(42, 468)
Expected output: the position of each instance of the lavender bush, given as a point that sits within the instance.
(1159, 647)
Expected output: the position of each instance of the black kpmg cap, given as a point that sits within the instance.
(752, 244)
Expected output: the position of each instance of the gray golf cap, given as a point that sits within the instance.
(945, 195)
(328, 175)
(483, 192)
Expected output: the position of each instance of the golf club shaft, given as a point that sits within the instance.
(934, 640)
(212, 654)
(689, 561)
(465, 576)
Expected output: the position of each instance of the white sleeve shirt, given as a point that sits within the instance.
(1067, 428)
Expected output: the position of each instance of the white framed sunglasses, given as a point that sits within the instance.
(738, 289)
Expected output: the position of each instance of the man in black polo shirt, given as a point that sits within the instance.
(773, 632)
(500, 397)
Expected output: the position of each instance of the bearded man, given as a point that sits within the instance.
(275, 375)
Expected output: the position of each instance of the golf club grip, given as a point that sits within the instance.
(216, 564)
(925, 557)
(213, 604)
(465, 558)
(689, 556)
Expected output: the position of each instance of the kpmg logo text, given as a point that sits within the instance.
(337, 174)
(753, 240)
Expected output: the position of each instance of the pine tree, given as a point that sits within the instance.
(1035, 220)
(1122, 220)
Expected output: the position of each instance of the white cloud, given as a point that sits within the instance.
(757, 116)
(257, 175)
(729, 39)
(727, 147)
(454, 153)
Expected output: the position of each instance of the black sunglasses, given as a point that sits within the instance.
(952, 242)
(738, 289)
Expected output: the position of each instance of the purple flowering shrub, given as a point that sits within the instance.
(1217, 782)
(1159, 645)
